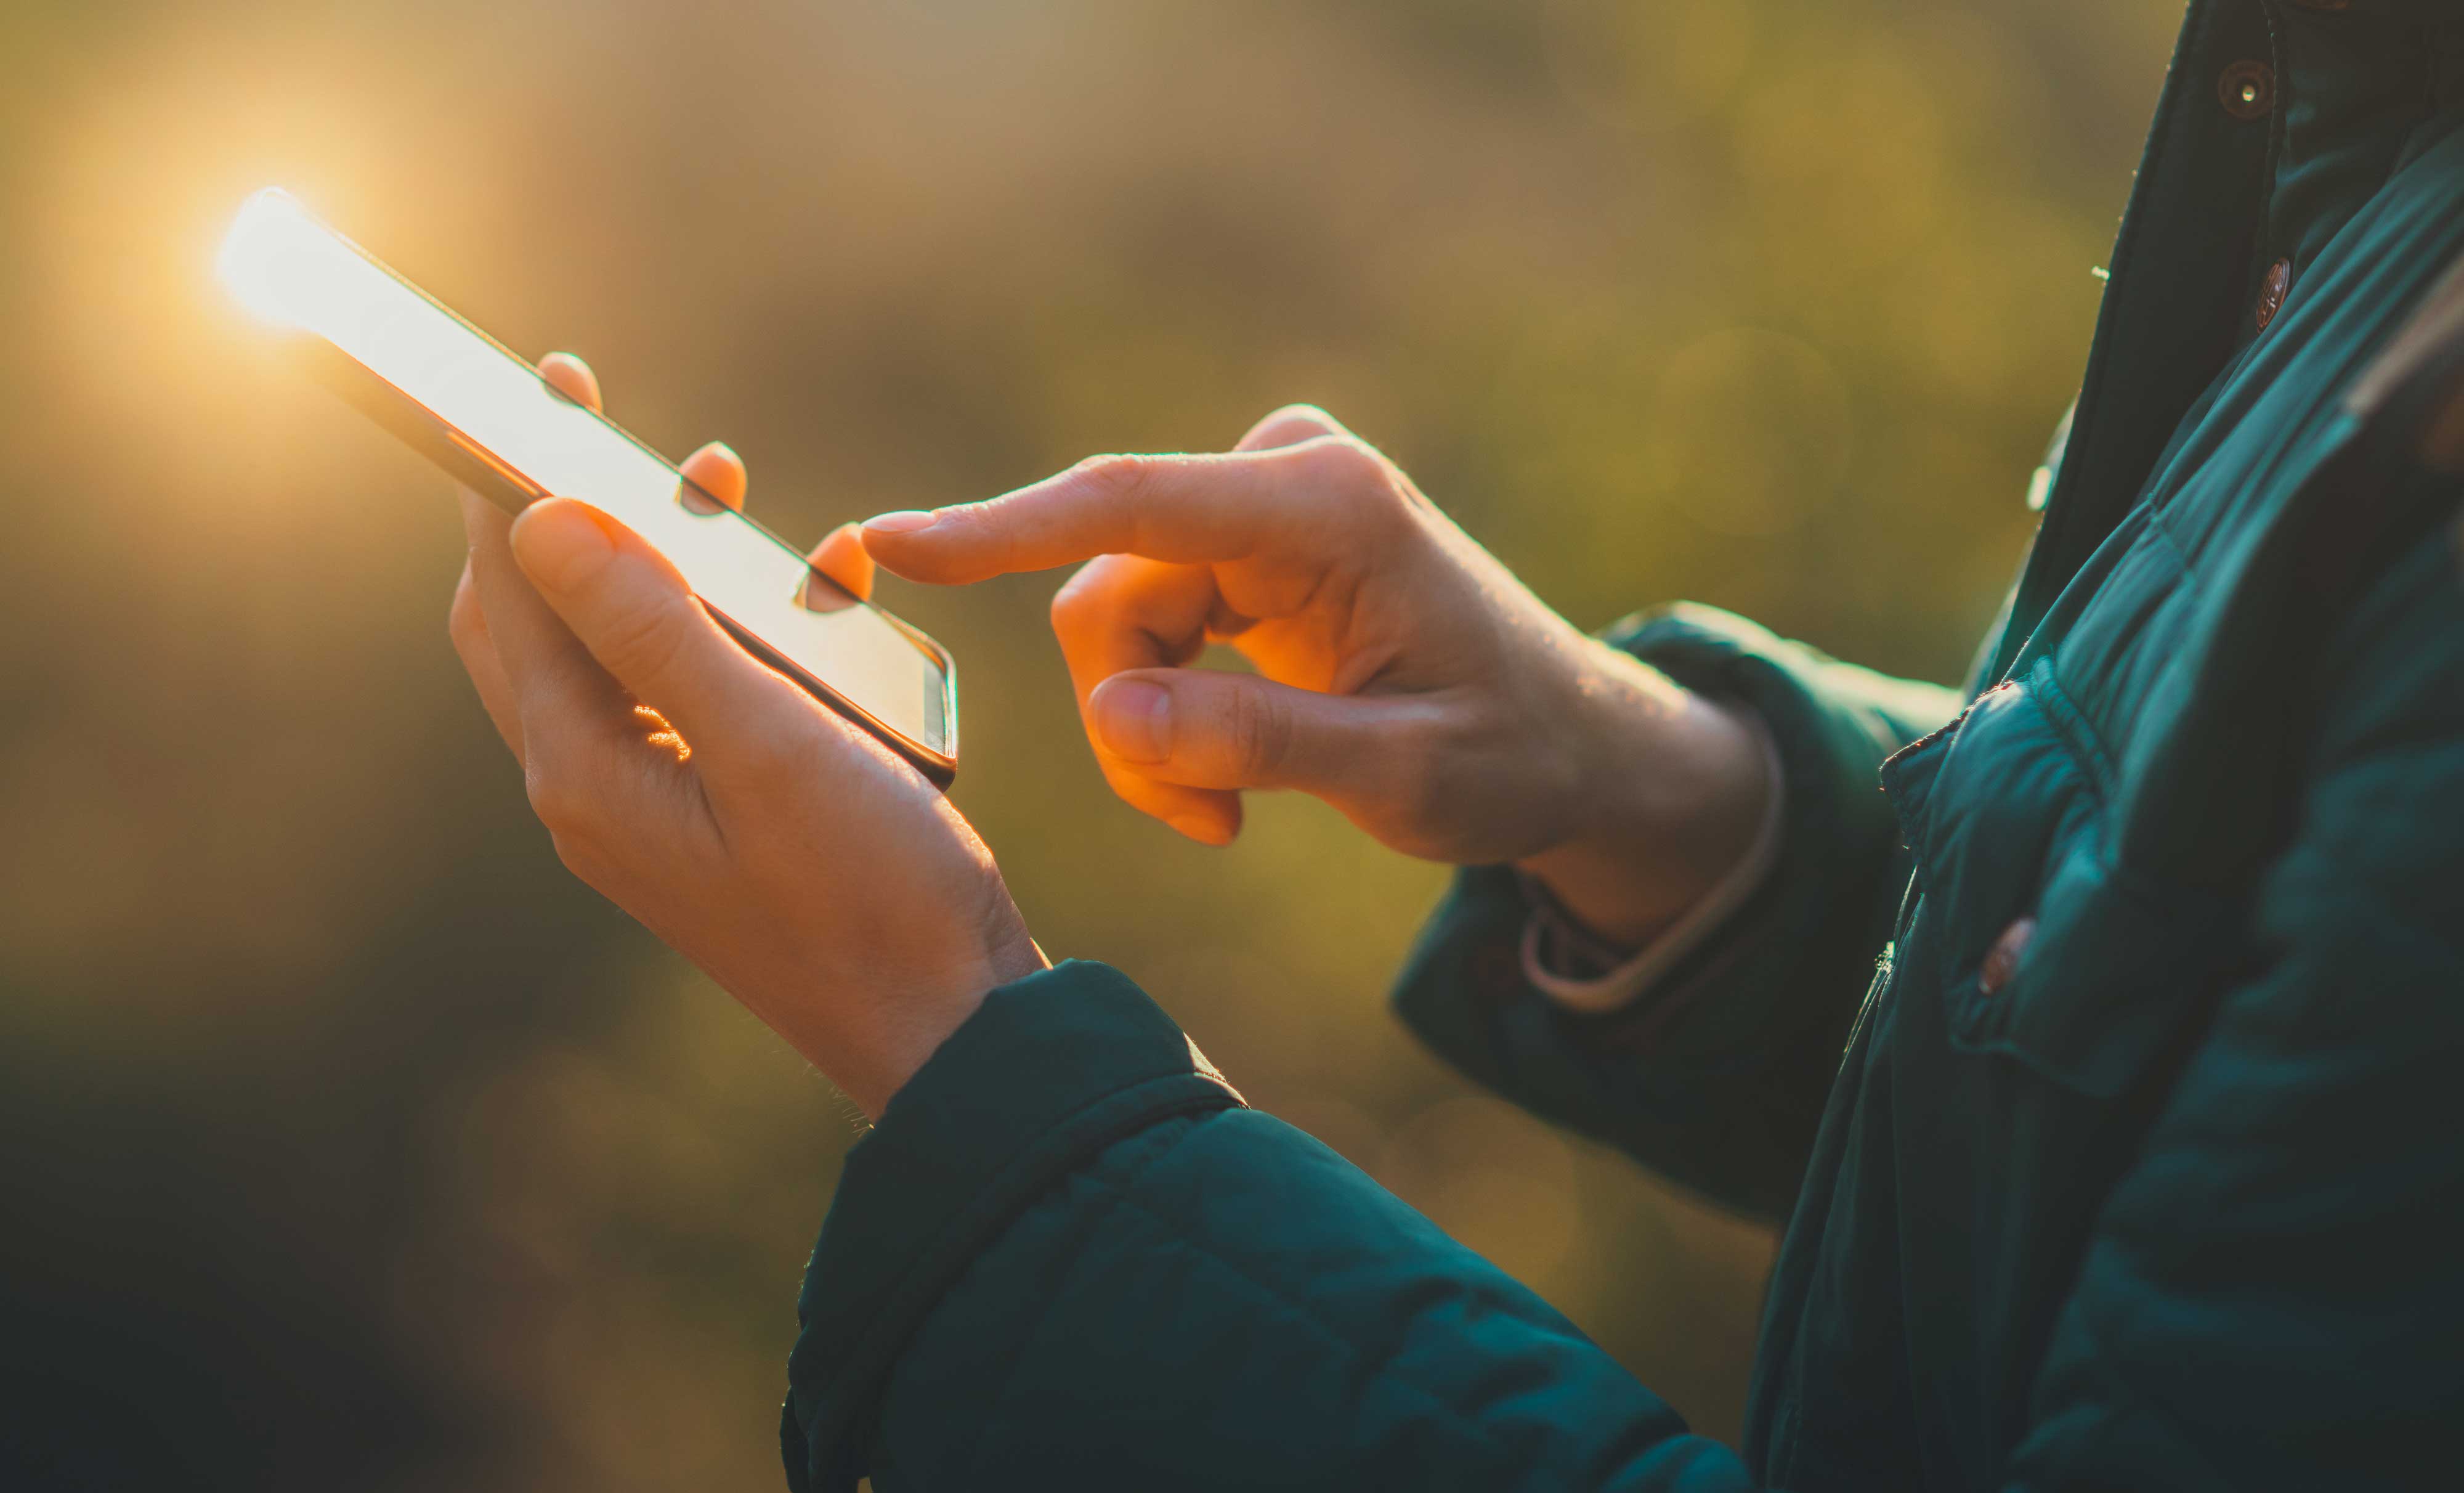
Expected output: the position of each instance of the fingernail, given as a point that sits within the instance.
(906, 521)
(559, 544)
(1133, 719)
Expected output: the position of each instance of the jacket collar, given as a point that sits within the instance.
(2353, 81)
(2221, 198)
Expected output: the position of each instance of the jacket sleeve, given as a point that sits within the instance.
(2270, 1298)
(1070, 1257)
(1716, 1075)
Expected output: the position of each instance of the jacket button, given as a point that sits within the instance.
(2247, 89)
(2002, 960)
(2271, 291)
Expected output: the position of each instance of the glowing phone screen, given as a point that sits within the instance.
(296, 272)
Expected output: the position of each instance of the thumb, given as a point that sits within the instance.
(1207, 729)
(632, 609)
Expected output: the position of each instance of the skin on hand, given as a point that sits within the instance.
(694, 787)
(1404, 674)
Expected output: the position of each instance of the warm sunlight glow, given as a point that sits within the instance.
(297, 273)
(285, 266)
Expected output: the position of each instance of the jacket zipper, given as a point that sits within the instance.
(1872, 997)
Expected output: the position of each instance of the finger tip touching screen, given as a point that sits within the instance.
(475, 409)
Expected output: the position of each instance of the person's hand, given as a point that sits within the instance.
(800, 862)
(1402, 674)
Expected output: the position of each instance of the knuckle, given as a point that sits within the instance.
(1346, 458)
(580, 854)
(1352, 472)
(1417, 757)
(1390, 507)
(643, 642)
(1302, 415)
(1260, 732)
(1413, 767)
(463, 621)
(558, 801)
(1080, 605)
(1073, 603)
(570, 849)
(1116, 476)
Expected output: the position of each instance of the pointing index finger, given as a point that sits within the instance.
(1183, 509)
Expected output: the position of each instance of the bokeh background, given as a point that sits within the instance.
(349, 1142)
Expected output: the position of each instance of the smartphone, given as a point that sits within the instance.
(471, 404)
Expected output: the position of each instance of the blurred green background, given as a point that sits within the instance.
(349, 1142)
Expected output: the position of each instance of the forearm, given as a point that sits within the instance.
(1069, 1257)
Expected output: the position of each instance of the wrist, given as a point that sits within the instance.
(1671, 791)
(913, 1028)
(885, 1025)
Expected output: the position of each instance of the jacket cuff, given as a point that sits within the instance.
(1048, 1072)
(1582, 974)
(1759, 994)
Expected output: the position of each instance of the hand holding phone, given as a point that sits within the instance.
(789, 854)
(753, 799)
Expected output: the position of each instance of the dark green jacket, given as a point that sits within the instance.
(2144, 1163)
